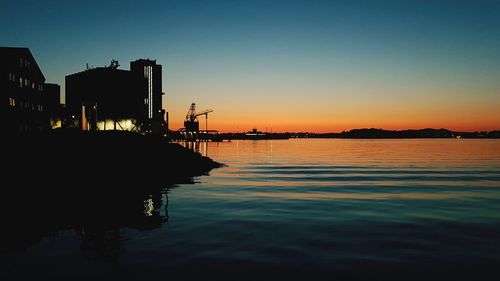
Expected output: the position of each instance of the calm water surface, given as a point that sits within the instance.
(305, 209)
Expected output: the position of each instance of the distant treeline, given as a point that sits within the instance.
(373, 133)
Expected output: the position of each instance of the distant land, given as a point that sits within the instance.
(371, 133)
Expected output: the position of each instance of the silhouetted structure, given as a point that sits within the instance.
(54, 110)
(191, 130)
(22, 91)
(108, 98)
(105, 99)
(153, 93)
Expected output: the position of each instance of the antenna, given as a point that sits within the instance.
(114, 64)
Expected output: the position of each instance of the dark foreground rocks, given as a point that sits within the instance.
(89, 181)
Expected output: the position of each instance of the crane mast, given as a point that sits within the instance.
(191, 123)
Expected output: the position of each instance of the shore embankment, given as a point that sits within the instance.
(92, 158)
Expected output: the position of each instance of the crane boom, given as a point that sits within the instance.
(204, 112)
(191, 122)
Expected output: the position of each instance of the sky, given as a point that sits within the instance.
(316, 66)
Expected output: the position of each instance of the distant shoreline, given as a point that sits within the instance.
(373, 133)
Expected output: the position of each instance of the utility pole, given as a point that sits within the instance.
(206, 122)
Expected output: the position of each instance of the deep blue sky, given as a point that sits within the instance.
(328, 65)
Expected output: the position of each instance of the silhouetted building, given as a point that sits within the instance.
(153, 95)
(22, 91)
(108, 98)
(53, 107)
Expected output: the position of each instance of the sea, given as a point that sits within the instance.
(297, 209)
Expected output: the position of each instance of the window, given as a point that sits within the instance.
(32, 85)
(20, 82)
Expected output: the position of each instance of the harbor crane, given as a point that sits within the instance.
(191, 123)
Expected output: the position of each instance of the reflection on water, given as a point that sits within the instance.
(282, 209)
(95, 215)
(371, 196)
(196, 146)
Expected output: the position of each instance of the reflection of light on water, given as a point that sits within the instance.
(148, 207)
(237, 148)
(205, 150)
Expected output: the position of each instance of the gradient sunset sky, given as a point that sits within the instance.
(321, 66)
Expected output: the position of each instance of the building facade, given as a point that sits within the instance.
(108, 98)
(152, 74)
(105, 99)
(22, 91)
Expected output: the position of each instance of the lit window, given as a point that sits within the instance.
(20, 82)
(13, 102)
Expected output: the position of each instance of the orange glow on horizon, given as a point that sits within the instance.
(337, 110)
(331, 127)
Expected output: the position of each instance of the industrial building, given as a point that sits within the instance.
(22, 91)
(108, 98)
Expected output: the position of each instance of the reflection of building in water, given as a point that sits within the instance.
(102, 237)
(153, 205)
(108, 98)
(197, 146)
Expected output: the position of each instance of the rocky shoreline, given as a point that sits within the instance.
(76, 180)
(101, 157)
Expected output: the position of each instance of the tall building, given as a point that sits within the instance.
(151, 72)
(21, 91)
